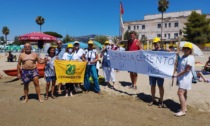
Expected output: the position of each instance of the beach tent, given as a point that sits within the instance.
(81, 44)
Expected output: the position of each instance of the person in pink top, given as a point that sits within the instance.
(133, 45)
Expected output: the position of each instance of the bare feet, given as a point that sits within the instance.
(25, 100)
(71, 94)
(40, 100)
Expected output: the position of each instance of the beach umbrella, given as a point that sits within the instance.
(196, 50)
(98, 44)
(37, 36)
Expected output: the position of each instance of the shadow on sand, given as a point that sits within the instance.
(168, 103)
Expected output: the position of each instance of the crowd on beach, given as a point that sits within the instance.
(27, 64)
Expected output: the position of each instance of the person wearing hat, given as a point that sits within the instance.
(157, 80)
(133, 45)
(91, 57)
(77, 55)
(184, 76)
(107, 70)
(68, 55)
(49, 72)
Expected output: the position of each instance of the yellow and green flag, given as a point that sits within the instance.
(69, 71)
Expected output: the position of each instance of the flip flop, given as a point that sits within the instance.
(152, 103)
(179, 114)
(46, 98)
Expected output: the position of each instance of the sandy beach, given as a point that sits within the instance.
(121, 106)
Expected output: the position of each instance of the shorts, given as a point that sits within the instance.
(154, 80)
(28, 75)
(52, 78)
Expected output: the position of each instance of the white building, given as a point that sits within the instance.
(150, 27)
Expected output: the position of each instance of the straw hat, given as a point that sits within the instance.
(90, 42)
(107, 42)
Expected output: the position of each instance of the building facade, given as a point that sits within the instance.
(150, 27)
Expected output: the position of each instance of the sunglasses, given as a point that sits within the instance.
(59, 43)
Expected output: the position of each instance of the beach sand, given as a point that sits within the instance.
(122, 106)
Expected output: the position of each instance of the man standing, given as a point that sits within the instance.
(59, 53)
(158, 80)
(133, 45)
(27, 61)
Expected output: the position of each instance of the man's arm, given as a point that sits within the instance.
(19, 66)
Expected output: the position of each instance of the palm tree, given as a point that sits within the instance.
(40, 21)
(162, 7)
(5, 31)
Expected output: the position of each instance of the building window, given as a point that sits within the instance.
(143, 26)
(137, 27)
(169, 36)
(165, 25)
(165, 35)
(129, 27)
(134, 27)
(176, 35)
(159, 26)
(176, 24)
(169, 25)
(158, 35)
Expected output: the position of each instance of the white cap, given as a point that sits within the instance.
(76, 42)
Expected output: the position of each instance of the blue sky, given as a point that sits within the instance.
(82, 17)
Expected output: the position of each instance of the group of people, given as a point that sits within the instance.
(27, 62)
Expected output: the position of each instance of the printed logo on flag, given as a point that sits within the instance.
(71, 69)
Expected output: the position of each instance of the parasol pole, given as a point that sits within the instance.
(178, 49)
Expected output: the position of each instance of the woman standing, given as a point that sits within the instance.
(184, 76)
(91, 57)
(50, 72)
(68, 55)
(107, 70)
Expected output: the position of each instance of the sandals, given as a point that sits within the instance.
(134, 87)
(179, 114)
(46, 97)
(152, 103)
(53, 96)
(161, 105)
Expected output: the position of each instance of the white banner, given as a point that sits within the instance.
(152, 63)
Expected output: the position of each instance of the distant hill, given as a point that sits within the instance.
(84, 38)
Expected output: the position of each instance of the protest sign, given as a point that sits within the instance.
(152, 63)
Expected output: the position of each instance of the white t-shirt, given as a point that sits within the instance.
(77, 55)
(90, 54)
(185, 80)
(67, 56)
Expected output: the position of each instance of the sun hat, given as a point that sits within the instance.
(107, 42)
(70, 46)
(90, 42)
(188, 45)
(76, 42)
(156, 40)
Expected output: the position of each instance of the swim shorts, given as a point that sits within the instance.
(28, 75)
